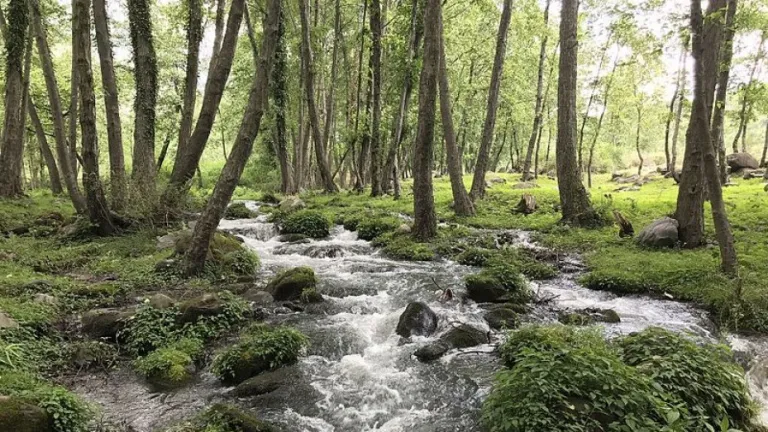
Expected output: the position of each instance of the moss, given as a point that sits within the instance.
(227, 256)
(308, 222)
(369, 229)
(474, 257)
(290, 284)
(238, 211)
(500, 282)
(171, 365)
(403, 247)
(224, 418)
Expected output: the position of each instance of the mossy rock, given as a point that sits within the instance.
(105, 323)
(503, 317)
(290, 284)
(201, 306)
(369, 229)
(475, 257)
(310, 295)
(307, 222)
(170, 366)
(498, 284)
(226, 418)
(266, 382)
(19, 416)
(239, 211)
(291, 238)
(226, 254)
(403, 247)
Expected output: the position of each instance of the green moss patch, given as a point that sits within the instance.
(308, 222)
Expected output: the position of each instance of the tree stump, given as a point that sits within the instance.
(625, 226)
(527, 204)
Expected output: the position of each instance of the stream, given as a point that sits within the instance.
(358, 375)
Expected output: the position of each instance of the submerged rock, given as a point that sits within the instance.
(290, 284)
(432, 351)
(660, 233)
(259, 297)
(18, 416)
(293, 238)
(221, 414)
(503, 317)
(463, 336)
(417, 320)
(266, 382)
(589, 316)
(105, 323)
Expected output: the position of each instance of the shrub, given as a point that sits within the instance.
(226, 255)
(259, 349)
(224, 418)
(150, 329)
(171, 364)
(238, 211)
(498, 282)
(474, 257)
(308, 222)
(548, 338)
(403, 247)
(371, 228)
(526, 264)
(702, 378)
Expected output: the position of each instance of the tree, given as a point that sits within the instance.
(680, 103)
(98, 209)
(538, 108)
(574, 200)
(145, 64)
(309, 86)
(746, 99)
(241, 150)
(376, 188)
(112, 105)
(280, 99)
(478, 181)
(462, 204)
(12, 148)
(425, 219)
(722, 87)
(194, 37)
(45, 150)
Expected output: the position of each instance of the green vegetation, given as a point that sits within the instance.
(564, 379)
(238, 210)
(227, 257)
(307, 222)
(172, 364)
(403, 247)
(259, 349)
(369, 229)
(223, 418)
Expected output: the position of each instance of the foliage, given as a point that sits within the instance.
(171, 363)
(475, 257)
(504, 276)
(308, 222)
(226, 257)
(223, 418)
(369, 229)
(238, 211)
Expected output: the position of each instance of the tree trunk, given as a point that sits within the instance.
(45, 151)
(425, 219)
(699, 134)
(591, 99)
(329, 102)
(279, 87)
(186, 162)
(376, 146)
(600, 121)
(690, 197)
(98, 209)
(194, 29)
(112, 106)
(637, 142)
(73, 101)
(745, 100)
(478, 181)
(54, 100)
(679, 113)
(722, 88)
(314, 118)
(765, 148)
(537, 111)
(574, 200)
(671, 115)
(462, 204)
(12, 149)
(242, 148)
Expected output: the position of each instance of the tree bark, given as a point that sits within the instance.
(12, 149)
(45, 151)
(314, 118)
(186, 162)
(98, 209)
(73, 100)
(679, 113)
(671, 115)
(376, 189)
(722, 88)
(478, 181)
(112, 106)
(765, 148)
(242, 148)
(537, 111)
(425, 219)
(329, 102)
(54, 100)
(637, 142)
(194, 37)
(574, 200)
(600, 123)
(279, 87)
(462, 204)
(745, 101)
(592, 94)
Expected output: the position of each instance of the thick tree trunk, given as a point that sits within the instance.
(574, 200)
(242, 148)
(376, 146)
(12, 148)
(478, 181)
(194, 29)
(425, 219)
(722, 88)
(279, 86)
(54, 100)
(690, 197)
(145, 64)
(462, 204)
(314, 118)
(537, 111)
(186, 162)
(45, 151)
(112, 106)
(98, 209)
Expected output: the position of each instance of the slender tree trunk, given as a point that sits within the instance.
(98, 209)
(671, 116)
(537, 112)
(574, 200)
(164, 151)
(478, 181)
(314, 118)
(12, 149)
(425, 219)
(376, 146)
(112, 106)
(462, 204)
(45, 151)
(54, 100)
(600, 122)
(329, 102)
(745, 100)
(592, 94)
(73, 101)
(186, 162)
(637, 142)
(194, 29)
(679, 113)
(218, 35)
(279, 86)
(501, 149)
(360, 180)
(765, 148)
(242, 148)
(722, 88)
(690, 197)
(145, 64)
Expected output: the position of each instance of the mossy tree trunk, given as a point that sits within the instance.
(45, 150)
(376, 145)
(241, 150)
(194, 37)
(279, 86)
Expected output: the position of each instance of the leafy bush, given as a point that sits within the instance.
(238, 211)
(259, 349)
(474, 257)
(171, 364)
(226, 255)
(369, 229)
(308, 222)
(150, 329)
(223, 418)
(702, 378)
(548, 338)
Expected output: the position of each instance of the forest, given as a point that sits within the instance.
(384, 215)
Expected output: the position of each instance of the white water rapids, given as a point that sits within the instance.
(358, 375)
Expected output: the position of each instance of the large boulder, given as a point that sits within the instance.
(105, 323)
(417, 320)
(462, 336)
(660, 233)
(289, 284)
(291, 204)
(204, 305)
(740, 161)
(19, 416)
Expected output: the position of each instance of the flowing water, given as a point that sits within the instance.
(358, 374)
